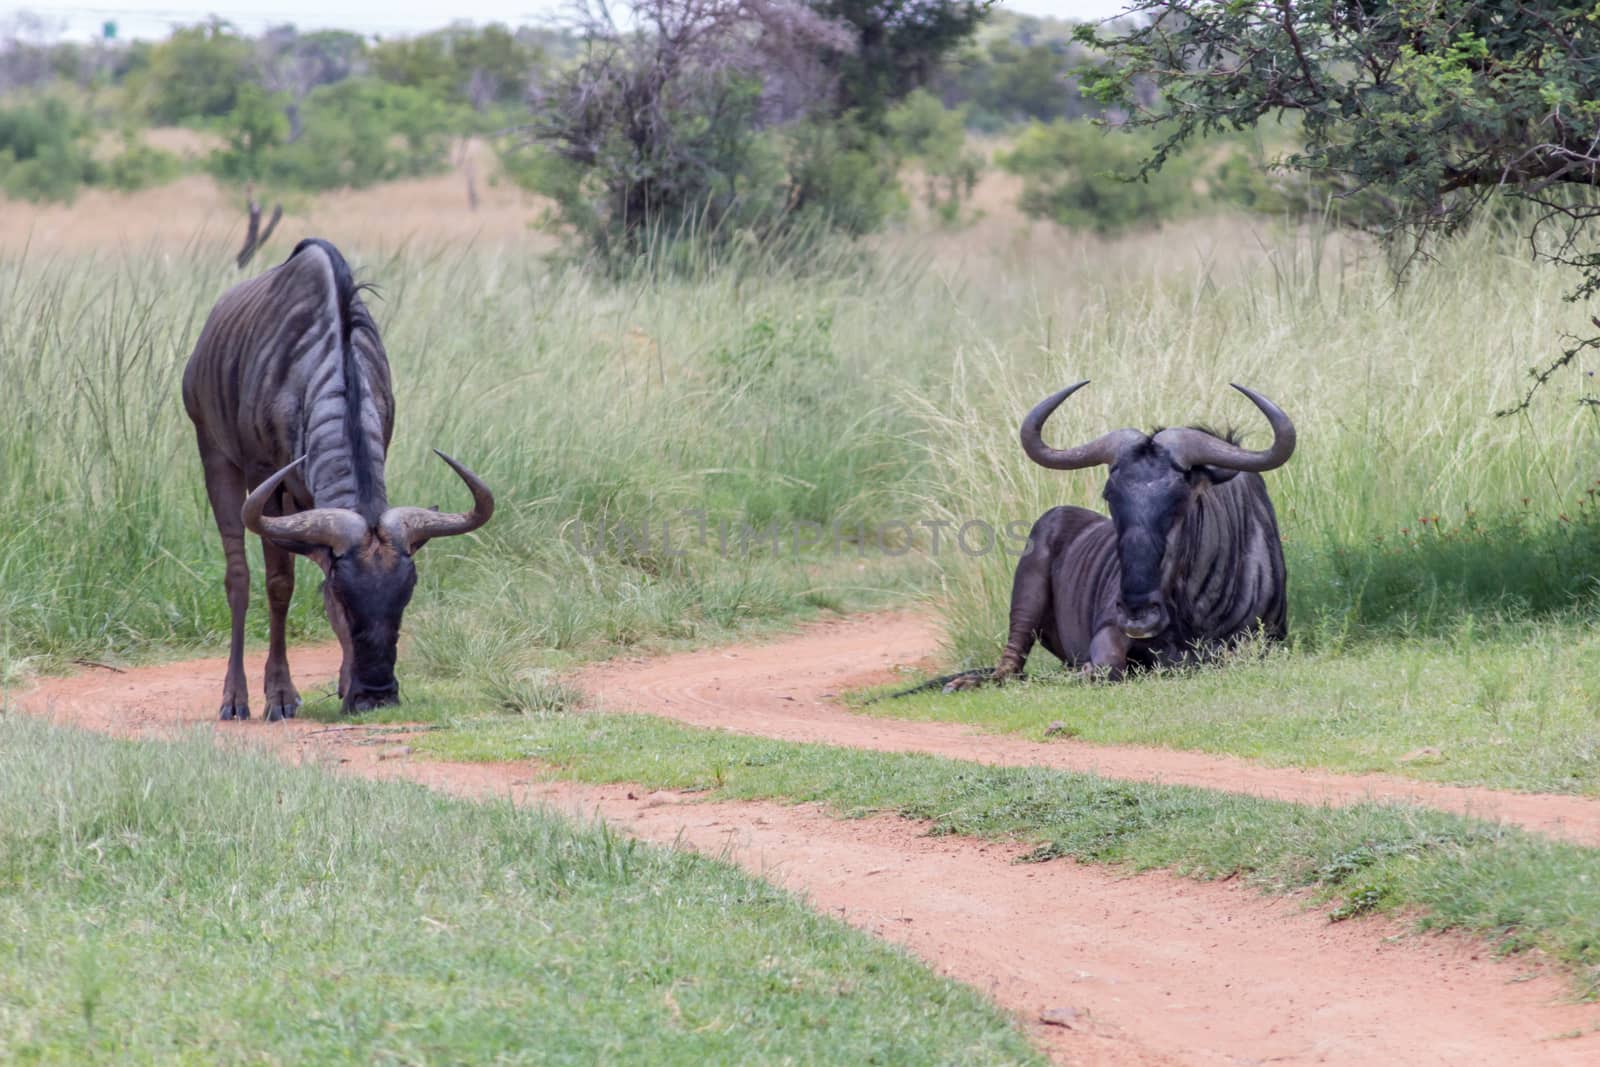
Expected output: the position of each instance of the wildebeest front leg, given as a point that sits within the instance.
(1108, 654)
(225, 487)
(1030, 607)
(283, 700)
(341, 630)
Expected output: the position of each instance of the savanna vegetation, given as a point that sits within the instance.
(760, 387)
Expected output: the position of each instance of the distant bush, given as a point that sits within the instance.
(680, 126)
(480, 67)
(196, 73)
(354, 133)
(839, 176)
(140, 165)
(44, 153)
(926, 132)
(1083, 175)
(1075, 173)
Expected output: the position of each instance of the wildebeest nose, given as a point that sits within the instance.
(1143, 620)
(366, 700)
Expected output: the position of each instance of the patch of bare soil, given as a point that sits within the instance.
(786, 689)
(1152, 969)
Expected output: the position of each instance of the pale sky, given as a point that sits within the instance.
(155, 18)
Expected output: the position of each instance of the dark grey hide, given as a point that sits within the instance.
(1188, 563)
(288, 389)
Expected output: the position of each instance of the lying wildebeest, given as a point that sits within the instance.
(1188, 563)
(288, 388)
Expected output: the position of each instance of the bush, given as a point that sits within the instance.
(197, 73)
(1076, 174)
(355, 133)
(934, 136)
(44, 152)
(840, 176)
(707, 119)
(140, 165)
(1082, 175)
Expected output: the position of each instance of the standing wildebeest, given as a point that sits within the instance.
(289, 370)
(1188, 562)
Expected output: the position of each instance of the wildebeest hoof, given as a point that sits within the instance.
(232, 711)
(972, 679)
(282, 707)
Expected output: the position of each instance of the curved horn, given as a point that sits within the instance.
(1194, 448)
(1102, 449)
(412, 528)
(337, 529)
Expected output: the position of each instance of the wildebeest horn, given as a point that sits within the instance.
(1195, 448)
(1102, 449)
(334, 528)
(414, 527)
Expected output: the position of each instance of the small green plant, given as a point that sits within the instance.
(1360, 900)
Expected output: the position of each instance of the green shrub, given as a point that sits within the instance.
(840, 175)
(140, 165)
(924, 130)
(1083, 175)
(355, 133)
(197, 73)
(44, 152)
(1077, 174)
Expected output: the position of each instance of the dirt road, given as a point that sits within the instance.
(1151, 969)
(783, 690)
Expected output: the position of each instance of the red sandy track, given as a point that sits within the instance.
(1159, 969)
(782, 690)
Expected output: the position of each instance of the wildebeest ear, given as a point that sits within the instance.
(319, 553)
(1214, 475)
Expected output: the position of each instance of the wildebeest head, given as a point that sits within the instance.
(1151, 489)
(369, 569)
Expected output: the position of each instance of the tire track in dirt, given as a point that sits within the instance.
(784, 690)
(1154, 969)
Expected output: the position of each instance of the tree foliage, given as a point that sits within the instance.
(898, 45)
(480, 67)
(700, 113)
(197, 73)
(1434, 107)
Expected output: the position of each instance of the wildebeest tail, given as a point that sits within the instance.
(934, 683)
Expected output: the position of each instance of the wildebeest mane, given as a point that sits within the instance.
(354, 318)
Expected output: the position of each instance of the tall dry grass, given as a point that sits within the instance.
(1407, 500)
(858, 387)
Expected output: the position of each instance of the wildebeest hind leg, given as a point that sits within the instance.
(225, 487)
(1108, 654)
(282, 697)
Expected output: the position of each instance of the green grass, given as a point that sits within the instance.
(1514, 889)
(1510, 705)
(179, 904)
